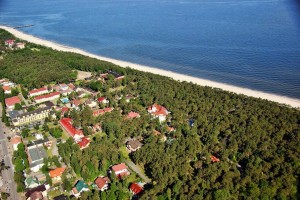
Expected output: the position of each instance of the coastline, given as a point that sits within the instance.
(293, 102)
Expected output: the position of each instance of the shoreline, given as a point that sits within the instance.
(293, 102)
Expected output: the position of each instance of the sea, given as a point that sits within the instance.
(247, 43)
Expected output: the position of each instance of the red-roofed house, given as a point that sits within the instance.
(102, 100)
(55, 174)
(10, 102)
(47, 97)
(9, 43)
(136, 189)
(120, 170)
(158, 111)
(214, 159)
(37, 92)
(102, 111)
(132, 115)
(84, 143)
(64, 110)
(7, 89)
(76, 134)
(102, 183)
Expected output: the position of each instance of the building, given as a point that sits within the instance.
(7, 89)
(76, 134)
(10, 43)
(120, 170)
(214, 159)
(102, 111)
(133, 145)
(115, 74)
(136, 189)
(132, 115)
(79, 187)
(31, 117)
(55, 174)
(64, 110)
(84, 142)
(102, 183)
(63, 86)
(41, 188)
(75, 103)
(12, 101)
(102, 100)
(47, 97)
(91, 103)
(31, 182)
(37, 92)
(36, 196)
(16, 140)
(36, 155)
(20, 45)
(158, 111)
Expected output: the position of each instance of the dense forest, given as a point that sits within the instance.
(257, 141)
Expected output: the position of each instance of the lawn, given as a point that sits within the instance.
(124, 152)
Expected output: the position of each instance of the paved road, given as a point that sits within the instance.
(8, 175)
(137, 170)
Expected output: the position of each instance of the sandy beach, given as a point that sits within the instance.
(180, 77)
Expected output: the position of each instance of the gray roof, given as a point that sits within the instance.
(38, 153)
(33, 112)
(14, 113)
(37, 142)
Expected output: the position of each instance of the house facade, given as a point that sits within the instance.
(30, 117)
(120, 170)
(47, 97)
(158, 111)
(37, 92)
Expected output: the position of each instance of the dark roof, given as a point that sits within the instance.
(61, 197)
(37, 142)
(14, 113)
(115, 74)
(49, 104)
(33, 112)
(134, 144)
(40, 188)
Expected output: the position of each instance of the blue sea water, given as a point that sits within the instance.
(248, 43)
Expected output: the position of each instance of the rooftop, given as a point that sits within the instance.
(119, 167)
(37, 153)
(134, 144)
(56, 172)
(12, 101)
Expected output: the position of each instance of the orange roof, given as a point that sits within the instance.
(6, 88)
(132, 115)
(157, 110)
(155, 132)
(16, 140)
(214, 159)
(56, 172)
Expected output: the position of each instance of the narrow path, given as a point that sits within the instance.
(137, 170)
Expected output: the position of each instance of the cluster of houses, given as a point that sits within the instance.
(44, 99)
(12, 44)
(102, 183)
